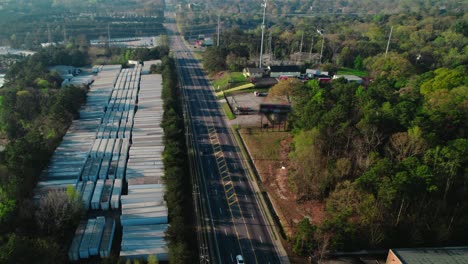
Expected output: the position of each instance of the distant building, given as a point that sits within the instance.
(2, 80)
(207, 42)
(349, 78)
(286, 71)
(445, 255)
(253, 72)
(313, 73)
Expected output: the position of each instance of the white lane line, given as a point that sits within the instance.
(221, 212)
(216, 192)
(245, 197)
(232, 259)
(225, 231)
(261, 240)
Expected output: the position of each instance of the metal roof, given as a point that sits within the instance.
(444, 255)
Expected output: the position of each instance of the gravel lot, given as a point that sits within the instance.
(247, 100)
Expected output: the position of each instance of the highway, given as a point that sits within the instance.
(229, 209)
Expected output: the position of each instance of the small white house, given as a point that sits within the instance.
(253, 72)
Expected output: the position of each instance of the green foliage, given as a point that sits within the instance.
(176, 174)
(390, 66)
(304, 243)
(384, 150)
(445, 79)
(152, 259)
(227, 111)
(214, 59)
(7, 206)
(19, 249)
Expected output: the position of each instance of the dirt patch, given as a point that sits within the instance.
(269, 152)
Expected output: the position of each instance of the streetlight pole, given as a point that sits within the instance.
(263, 32)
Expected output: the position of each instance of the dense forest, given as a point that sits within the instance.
(389, 162)
(35, 113)
(388, 159)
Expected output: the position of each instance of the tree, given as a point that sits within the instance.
(214, 59)
(285, 88)
(304, 237)
(19, 249)
(309, 165)
(406, 144)
(390, 66)
(7, 206)
(445, 79)
(59, 212)
(152, 259)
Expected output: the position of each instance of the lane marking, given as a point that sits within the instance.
(261, 240)
(246, 197)
(225, 231)
(221, 212)
(232, 259)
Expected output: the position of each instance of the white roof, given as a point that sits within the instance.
(347, 77)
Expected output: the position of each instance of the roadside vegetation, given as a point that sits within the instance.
(227, 110)
(181, 241)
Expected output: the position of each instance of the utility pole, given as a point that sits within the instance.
(49, 36)
(311, 47)
(263, 32)
(108, 34)
(217, 40)
(388, 42)
(64, 34)
(323, 42)
(302, 41)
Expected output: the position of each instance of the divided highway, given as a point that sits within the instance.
(230, 213)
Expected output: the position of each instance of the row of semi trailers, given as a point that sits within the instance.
(115, 146)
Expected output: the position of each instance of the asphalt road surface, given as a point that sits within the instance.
(237, 223)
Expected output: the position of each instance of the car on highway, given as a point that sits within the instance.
(240, 259)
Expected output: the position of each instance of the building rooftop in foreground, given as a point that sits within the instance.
(442, 255)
